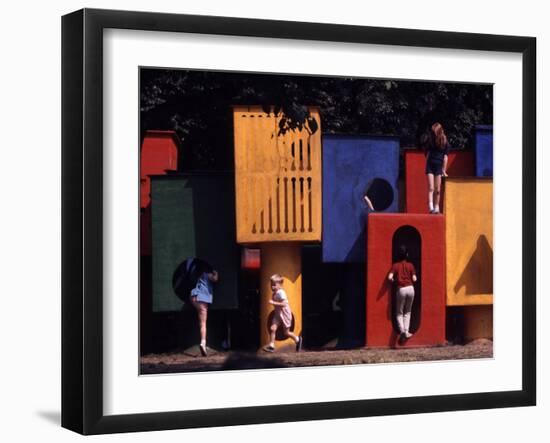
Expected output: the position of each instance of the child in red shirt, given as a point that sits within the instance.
(404, 275)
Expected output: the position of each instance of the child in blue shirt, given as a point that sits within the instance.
(202, 295)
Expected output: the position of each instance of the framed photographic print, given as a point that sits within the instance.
(269, 221)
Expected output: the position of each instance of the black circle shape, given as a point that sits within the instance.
(186, 275)
(181, 281)
(380, 193)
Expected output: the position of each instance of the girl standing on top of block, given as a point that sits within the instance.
(282, 315)
(404, 275)
(437, 149)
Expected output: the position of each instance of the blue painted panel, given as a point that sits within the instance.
(350, 164)
(484, 150)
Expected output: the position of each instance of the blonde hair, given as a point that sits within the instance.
(276, 278)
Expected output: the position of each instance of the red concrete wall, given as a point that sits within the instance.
(380, 229)
(159, 154)
(460, 164)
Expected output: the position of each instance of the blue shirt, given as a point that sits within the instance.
(204, 291)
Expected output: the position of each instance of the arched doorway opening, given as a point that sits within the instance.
(409, 237)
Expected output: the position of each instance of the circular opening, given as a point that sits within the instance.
(409, 237)
(380, 194)
(185, 277)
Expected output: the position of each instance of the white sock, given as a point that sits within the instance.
(436, 208)
(431, 206)
(203, 343)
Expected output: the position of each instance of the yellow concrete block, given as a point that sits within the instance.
(277, 178)
(283, 259)
(469, 237)
(478, 322)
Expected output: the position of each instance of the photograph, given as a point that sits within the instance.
(292, 220)
(251, 221)
(311, 206)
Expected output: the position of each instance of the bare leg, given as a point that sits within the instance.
(272, 332)
(203, 314)
(291, 335)
(297, 340)
(437, 191)
(430, 191)
(369, 203)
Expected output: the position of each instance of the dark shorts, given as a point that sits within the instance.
(434, 167)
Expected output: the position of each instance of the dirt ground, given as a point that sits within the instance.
(191, 361)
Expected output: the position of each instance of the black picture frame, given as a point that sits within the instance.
(82, 215)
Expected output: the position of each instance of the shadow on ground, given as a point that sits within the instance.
(179, 361)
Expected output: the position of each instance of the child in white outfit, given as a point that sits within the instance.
(282, 315)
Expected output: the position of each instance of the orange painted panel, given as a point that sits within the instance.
(284, 259)
(277, 178)
(469, 237)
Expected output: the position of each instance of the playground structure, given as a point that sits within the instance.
(424, 236)
(459, 164)
(277, 201)
(483, 143)
(301, 189)
(277, 179)
(469, 240)
(355, 167)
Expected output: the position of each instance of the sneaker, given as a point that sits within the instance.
(203, 350)
(299, 344)
(432, 211)
(269, 348)
(436, 211)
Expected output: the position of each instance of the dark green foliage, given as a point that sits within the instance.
(197, 105)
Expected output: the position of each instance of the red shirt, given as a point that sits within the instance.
(402, 273)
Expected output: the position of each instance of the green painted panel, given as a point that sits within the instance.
(194, 216)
